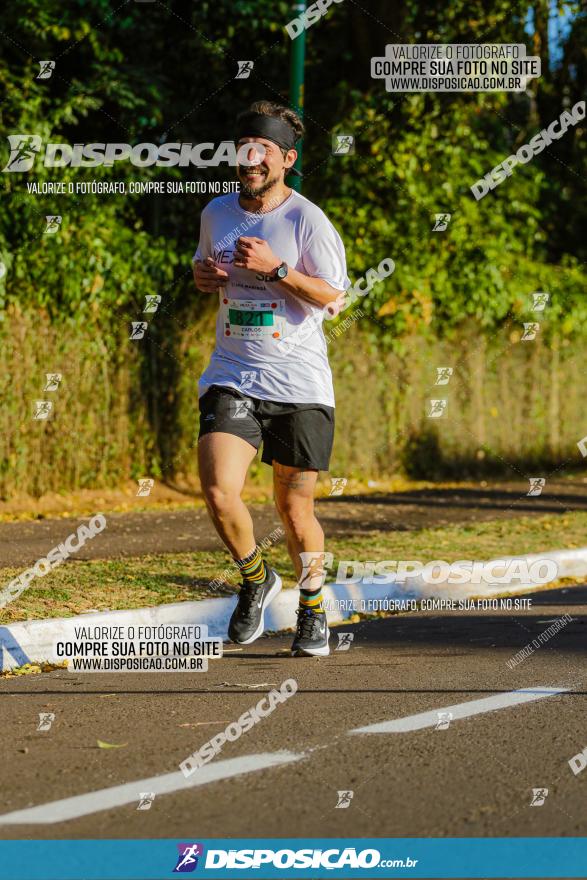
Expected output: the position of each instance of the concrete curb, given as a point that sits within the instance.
(33, 640)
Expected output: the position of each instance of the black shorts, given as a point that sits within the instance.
(296, 434)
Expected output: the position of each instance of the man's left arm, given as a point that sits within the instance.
(256, 254)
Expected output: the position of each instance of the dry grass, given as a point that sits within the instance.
(79, 586)
(104, 433)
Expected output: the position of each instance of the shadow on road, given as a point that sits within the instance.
(473, 499)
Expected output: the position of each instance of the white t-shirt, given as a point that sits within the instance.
(270, 343)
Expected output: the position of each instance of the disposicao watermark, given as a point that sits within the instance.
(308, 17)
(25, 148)
(235, 730)
(54, 557)
(135, 648)
(523, 154)
(455, 67)
(361, 287)
(533, 571)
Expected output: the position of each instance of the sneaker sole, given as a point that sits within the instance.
(268, 599)
(318, 652)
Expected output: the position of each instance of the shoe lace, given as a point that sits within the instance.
(247, 598)
(306, 623)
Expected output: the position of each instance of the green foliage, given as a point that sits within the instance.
(419, 159)
(155, 72)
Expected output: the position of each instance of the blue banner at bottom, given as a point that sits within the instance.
(304, 858)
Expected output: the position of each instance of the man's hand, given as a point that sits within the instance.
(255, 254)
(208, 277)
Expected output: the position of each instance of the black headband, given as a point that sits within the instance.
(271, 128)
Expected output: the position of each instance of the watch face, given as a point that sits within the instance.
(282, 271)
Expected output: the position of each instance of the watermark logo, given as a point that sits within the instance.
(437, 408)
(443, 375)
(314, 563)
(530, 331)
(539, 301)
(348, 861)
(46, 69)
(146, 799)
(241, 409)
(537, 484)
(53, 381)
(23, 151)
(344, 799)
(152, 301)
(42, 409)
(53, 224)
(444, 719)
(345, 641)
(441, 222)
(187, 860)
(338, 485)
(248, 379)
(528, 571)
(539, 795)
(145, 486)
(343, 145)
(138, 329)
(46, 719)
(244, 69)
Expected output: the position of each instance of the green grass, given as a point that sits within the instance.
(79, 586)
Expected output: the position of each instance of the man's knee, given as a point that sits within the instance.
(220, 499)
(296, 513)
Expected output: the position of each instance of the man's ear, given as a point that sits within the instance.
(290, 160)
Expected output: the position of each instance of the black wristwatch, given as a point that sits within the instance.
(280, 273)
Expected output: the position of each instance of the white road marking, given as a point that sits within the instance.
(461, 710)
(118, 795)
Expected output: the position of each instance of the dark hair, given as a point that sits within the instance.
(269, 108)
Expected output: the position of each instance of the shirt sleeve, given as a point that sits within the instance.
(204, 248)
(324, 257)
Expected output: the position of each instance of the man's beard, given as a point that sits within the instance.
(249, 193)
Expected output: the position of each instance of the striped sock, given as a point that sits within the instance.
(312, 599)
(252, 567)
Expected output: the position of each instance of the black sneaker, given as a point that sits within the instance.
(311, 634)
(248, 618)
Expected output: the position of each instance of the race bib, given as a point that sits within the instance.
(254, 319)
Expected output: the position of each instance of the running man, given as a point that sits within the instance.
(268, 380)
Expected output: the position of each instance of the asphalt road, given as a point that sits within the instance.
(164, 531)
(473, 778)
